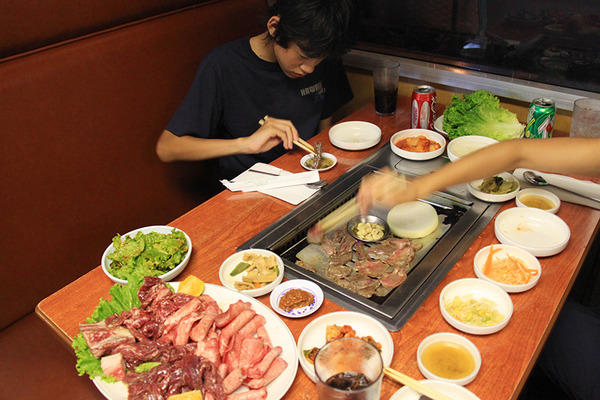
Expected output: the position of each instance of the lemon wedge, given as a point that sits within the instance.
(193, 395)
(191, 285)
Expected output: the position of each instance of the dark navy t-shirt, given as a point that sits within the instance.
(234, 88)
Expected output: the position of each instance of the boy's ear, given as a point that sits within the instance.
(272, 24)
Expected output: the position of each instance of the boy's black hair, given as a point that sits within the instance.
(321, 28)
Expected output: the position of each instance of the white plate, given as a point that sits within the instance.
(411, 155)
(450, 389)
(477, 289)
(303, 284)
(233, 260)
(304, 159)
(539, 232)
(438, 125)
(105, 262)
(313, 335)
(354, 135)
(491, 197)
(503, 251)
(278, 332)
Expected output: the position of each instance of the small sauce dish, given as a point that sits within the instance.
(538, 198)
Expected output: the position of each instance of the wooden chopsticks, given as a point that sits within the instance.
(414, 384)
(304, 145)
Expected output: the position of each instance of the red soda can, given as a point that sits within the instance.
(423, 107)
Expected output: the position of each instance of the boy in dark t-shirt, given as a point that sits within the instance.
(292, 72)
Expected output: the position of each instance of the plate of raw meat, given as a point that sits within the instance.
(269, 335)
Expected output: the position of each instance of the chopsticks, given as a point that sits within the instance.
(341, 214)
(415, 385)
(303, 144)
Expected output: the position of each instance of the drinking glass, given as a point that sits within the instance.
(586, 118)
(349, 369)
(385, 82)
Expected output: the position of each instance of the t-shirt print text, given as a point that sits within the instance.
(317, 90)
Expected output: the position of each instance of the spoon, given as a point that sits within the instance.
(316, 185)
(586, 189)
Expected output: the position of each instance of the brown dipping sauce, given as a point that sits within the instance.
(296, 298)
(541, 202)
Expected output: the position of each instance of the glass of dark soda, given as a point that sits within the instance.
(348, 368)
(385, 81)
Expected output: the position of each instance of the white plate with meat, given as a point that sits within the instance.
(279, 334)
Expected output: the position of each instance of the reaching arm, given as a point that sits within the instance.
(558, 155)
(188, 148)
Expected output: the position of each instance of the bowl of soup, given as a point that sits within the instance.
(448, 357)
(538, 198)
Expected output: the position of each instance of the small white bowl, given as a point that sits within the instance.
(503, 251)
(354, 135)
(105, 262)
(303, 284)
(463, 145)
(546, 194)
(233, 260)
(438, 125)
(313, 335)
(473, 186)
(455, 339)
(477, 289)
(539, 232)
(411, 155)
(307, 157)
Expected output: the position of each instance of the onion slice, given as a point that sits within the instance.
(413, 219)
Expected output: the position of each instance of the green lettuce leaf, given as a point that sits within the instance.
(480, 113)
(124, 297)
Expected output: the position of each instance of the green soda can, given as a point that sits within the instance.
(540, 118)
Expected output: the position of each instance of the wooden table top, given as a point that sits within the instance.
(221, 224)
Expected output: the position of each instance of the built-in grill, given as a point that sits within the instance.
(462, 218)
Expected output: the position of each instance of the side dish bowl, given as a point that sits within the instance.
(302, 284)
(418, 156)
(354, 135)
(463, 145)
(314, 335)
(473, 188)
(167, 276)
(307, 157)
(353, 227)
(479, 291)
(541, 197)
(503, 251)
(452, 339)
(233, 260)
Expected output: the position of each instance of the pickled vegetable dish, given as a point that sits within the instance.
(472, 311)
(510, 270)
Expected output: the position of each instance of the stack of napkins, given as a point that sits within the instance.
(275, 182)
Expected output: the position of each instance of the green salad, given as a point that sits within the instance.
(147, 254)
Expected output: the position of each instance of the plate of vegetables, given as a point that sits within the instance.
(158, 250)
(511, 268)
(495, 189)
(254, 272)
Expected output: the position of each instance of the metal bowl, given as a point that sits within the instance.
(353, 224)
